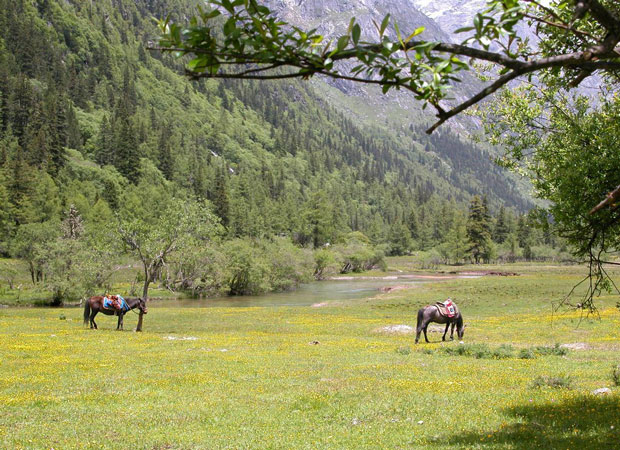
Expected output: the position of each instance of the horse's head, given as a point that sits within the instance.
(460, 327)
(142, 306)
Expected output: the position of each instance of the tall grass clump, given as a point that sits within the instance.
(480, 351)
(558, 382)
(615, 375)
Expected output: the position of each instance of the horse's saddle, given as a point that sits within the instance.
(447, 308)
(115, 302)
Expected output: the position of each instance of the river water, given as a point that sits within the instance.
(309, 294)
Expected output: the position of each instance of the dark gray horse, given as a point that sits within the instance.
(430, 314)
(94, 305)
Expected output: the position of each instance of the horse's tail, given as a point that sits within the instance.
(86, 311)
(420, 317)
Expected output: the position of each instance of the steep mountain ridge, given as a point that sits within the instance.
(398, 111)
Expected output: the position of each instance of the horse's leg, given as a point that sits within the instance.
(418, 328)
(93, 325)
(417, 332)
(120, 321)
(452, 331)
(446, 331)
(424, 328)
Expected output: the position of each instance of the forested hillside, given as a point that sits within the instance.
(90, 117)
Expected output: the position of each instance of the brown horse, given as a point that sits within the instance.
(94, 305)
(431, 314)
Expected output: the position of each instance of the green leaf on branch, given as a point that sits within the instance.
(355, 33)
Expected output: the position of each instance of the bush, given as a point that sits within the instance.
(323, 259)
(246, 269)
(559, 382)
(478, 351)
(254, 267)
(526, 353)
(429, 260)
(504, 351)
(555, 350)
(358, 255)
(615, 375)
(403, 350)
(539, 350)
(288, 265)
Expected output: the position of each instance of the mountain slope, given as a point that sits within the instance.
(86, 111)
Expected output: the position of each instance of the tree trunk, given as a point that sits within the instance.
(139, 326)
(145, 296)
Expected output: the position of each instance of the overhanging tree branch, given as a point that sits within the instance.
(246, 37)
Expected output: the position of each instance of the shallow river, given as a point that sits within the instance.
(309, 294)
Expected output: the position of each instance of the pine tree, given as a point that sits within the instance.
(127, 159)
(105, 150)
(501, 230)
(165, 162)
(478, 230)
(74, 136)
(221, 200)
(399, 239)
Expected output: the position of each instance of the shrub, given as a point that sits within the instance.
(245, 268)
(403, 350)
(555, 350)
(615, 375)
(526, 353)
(357, 255)
(559, 382)
(254, 267)
(289, 266)
(323, 259)
(504, 351)
(480, 351)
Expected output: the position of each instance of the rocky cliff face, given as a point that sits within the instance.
(331, 18)
(450, 14)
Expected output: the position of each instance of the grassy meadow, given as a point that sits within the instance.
(319, 377)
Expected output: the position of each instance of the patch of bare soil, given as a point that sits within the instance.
(395, 329)
(576, 346)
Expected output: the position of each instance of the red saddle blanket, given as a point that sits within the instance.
(447, 308)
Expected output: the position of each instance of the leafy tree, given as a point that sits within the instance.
(247, 271)
(26, 241)
(357, 254)
(177, 227)
(323, 258)
(66, 261)
(571, 153)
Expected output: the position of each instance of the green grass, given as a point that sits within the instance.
(257, 378)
